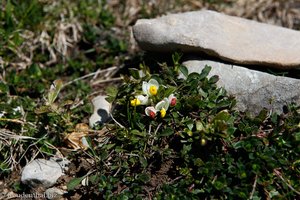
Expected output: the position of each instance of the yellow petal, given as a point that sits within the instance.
(163, 112)
(135, 102)
(153, 90)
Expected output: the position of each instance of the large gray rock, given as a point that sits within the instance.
(254, 90)
(230, 38)
(41, 172)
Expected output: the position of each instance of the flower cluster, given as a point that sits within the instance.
(150, 89)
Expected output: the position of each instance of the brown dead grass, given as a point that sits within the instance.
(284, 13)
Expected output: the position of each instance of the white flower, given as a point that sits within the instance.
(162, 107)
(18, 109)
(151, 112)
(143, 99)
(2, 113)
(151, 87)
(140, 100)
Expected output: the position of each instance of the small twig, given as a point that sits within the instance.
(119, 169)
(131, 154)
(106, 81)
(291, 187)
(12, 120)
(5, 134)
(34, 144)
(215, 178)
(253, 187)
(159, 125)
(89, 75)
(116, 121)
(149, 132)
(175, 179)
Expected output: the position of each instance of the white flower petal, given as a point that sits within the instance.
(153, 82)
(145, 87)
(149, 110)
(143, 99)
(171, 96)
(162, 104)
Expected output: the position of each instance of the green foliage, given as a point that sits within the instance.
(196, 148)
(200, 149)
(31, 31)
(74, 183)
(19, 15)
(39, 100)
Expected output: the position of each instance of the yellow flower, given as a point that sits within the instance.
(140, 100)
(135, 102)
(151, 87)
(163, 112)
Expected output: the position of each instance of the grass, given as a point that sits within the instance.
(55, 56)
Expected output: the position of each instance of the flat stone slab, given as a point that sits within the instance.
(233, 39)
(254, 90)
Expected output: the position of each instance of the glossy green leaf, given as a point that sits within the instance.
(204, 73)
(54, 91)
(134, 73)
(222, 115)
(213, 79)
(183, 69)
(166, 132)
(73, 183)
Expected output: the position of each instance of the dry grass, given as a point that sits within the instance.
(284, 13)
(68, 30)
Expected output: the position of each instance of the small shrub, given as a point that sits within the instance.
(175, 138)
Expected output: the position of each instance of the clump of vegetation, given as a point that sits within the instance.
(173, 138)
(48, 50)
(169, 137)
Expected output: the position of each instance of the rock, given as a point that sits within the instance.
(63, 162)
(254, 90)
(41, 172)
(102, 110)
(54, 193)
(229, 38)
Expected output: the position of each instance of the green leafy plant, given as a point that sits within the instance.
(174, 138)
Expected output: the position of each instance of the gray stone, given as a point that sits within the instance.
(102, 111)
(230, 38)
(254, 90)
(41, 172)
(63, 162)
(54, 193)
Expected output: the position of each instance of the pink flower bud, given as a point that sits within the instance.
(173, 101)
(152, 114)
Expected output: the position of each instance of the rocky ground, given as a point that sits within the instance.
(281, 13)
